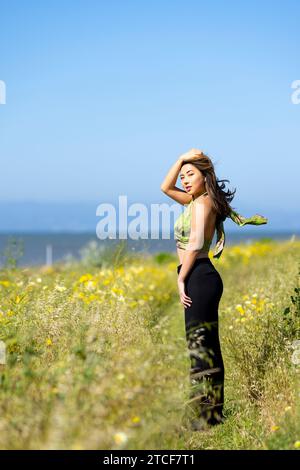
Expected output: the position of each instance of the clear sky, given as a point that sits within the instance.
(102, 97)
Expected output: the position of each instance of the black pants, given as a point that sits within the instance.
(204, 286)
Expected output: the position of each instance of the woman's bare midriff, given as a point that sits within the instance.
(181, 253)
(209, 234)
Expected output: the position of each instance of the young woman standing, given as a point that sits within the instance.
(200, 285)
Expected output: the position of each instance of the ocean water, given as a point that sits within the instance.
(47, 248)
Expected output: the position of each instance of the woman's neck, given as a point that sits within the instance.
(198, 197)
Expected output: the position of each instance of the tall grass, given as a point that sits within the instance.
(96, 356)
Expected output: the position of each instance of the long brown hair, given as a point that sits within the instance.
(215, 187)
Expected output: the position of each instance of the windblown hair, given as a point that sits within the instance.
(221, 198)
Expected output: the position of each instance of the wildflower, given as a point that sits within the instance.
(116, 290)
(297, 445)
(90, 285)
(136, 419)
(296, 357)
(120, 438)
(295, 344)
(85, 277)
(240, 309)
(274, 428)
(49, 342)
(60, 288)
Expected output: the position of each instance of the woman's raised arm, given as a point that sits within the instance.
(168, 185)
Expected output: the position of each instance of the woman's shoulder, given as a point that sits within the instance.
(205, 200)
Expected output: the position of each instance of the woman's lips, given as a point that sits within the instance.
(188, 188)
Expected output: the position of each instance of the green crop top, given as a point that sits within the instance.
(183, 223)
(182, 229)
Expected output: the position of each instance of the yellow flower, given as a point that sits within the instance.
(297, 445)
(274, 428)
(136, 419)
(48, 342)
(116, 290)
(85, 277)
(240, 309)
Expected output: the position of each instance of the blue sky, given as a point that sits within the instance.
(102, 97)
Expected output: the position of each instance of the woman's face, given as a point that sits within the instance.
(192, 179)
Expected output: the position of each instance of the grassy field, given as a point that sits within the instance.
(96, 356)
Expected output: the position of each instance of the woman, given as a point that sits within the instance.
(199, 283)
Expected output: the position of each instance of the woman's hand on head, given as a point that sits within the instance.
(191, 155)
(184, 299)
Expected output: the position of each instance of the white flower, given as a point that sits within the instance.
(120, 438)
(90, 285)
(60, 288)
(295, 344)
(296, 357)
